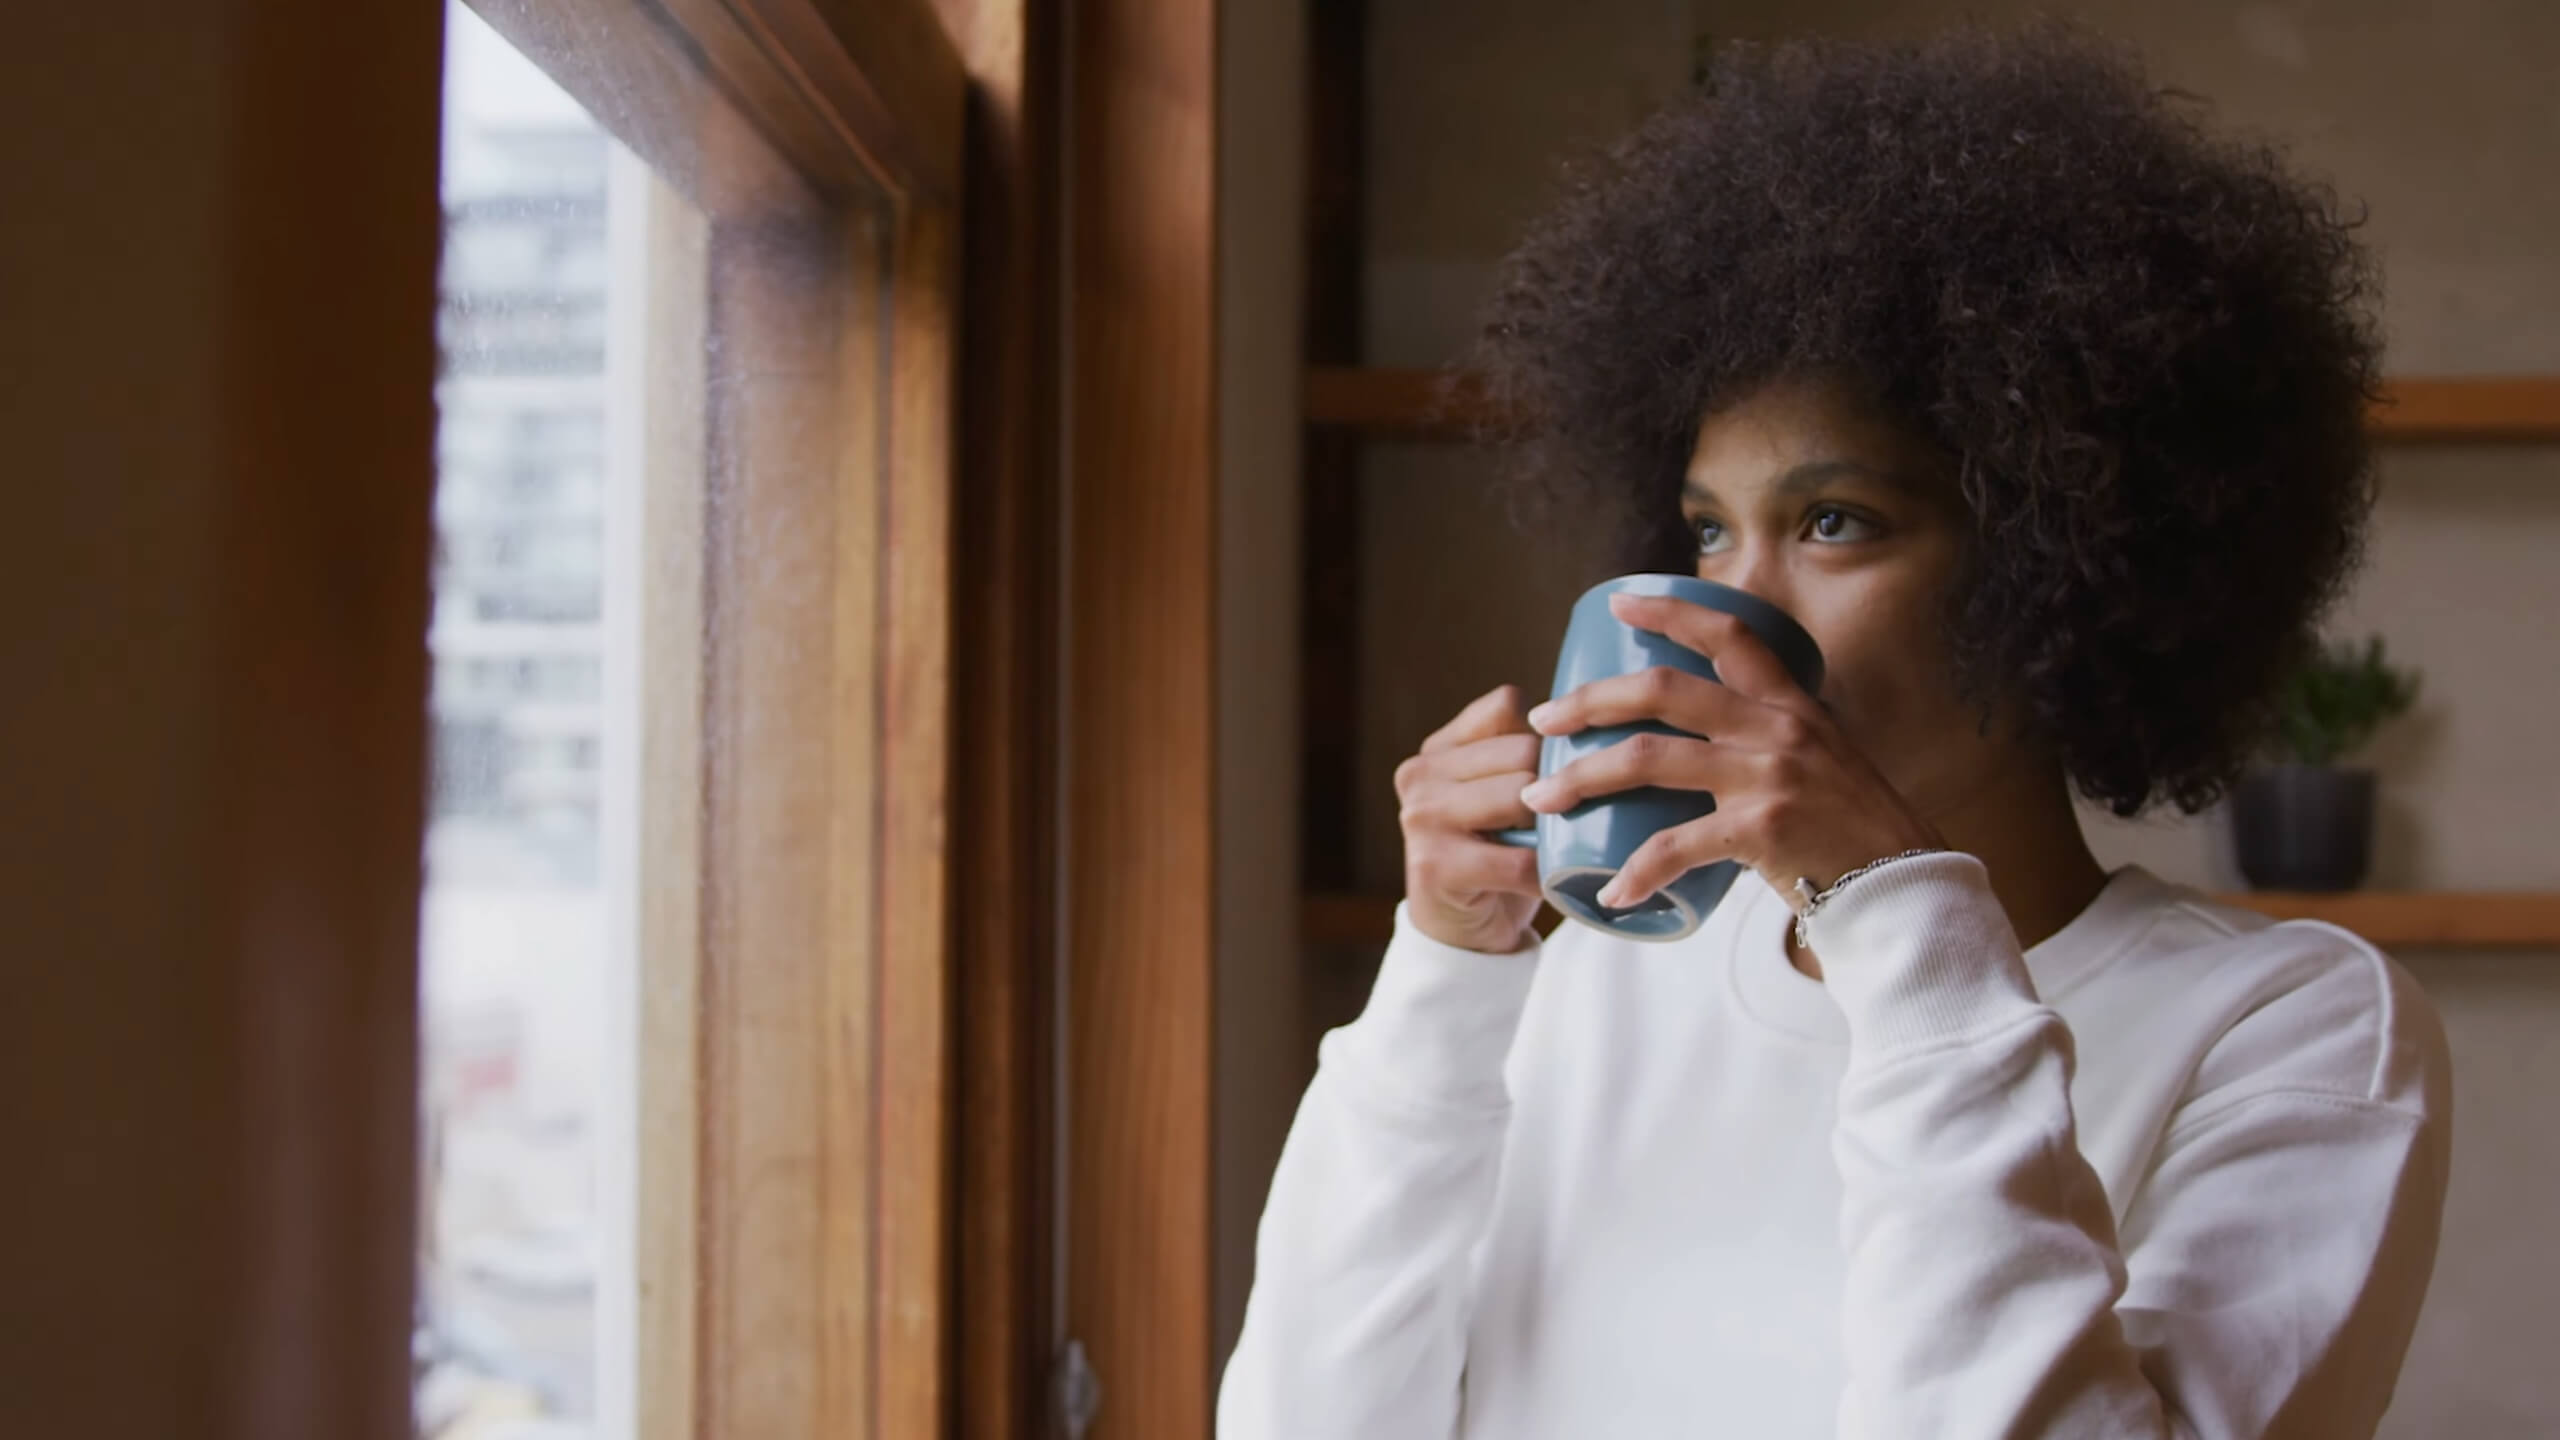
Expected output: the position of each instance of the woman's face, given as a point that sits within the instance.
(1804, 498)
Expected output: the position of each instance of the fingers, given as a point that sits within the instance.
(1669, 854)
(1661, 692)
(1457, 866)
(1475, 786)
(1741, 660)
(1461, 887)
(1493, 755)
(1452, 794)
(1675, 762)
(1490, 802)
(1495, 712)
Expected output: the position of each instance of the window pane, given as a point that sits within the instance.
(527, 1086)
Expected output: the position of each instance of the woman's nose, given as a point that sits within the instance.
(1755, 570)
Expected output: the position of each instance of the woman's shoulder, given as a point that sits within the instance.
(2298, 1006)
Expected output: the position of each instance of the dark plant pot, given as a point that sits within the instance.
(2303, 827)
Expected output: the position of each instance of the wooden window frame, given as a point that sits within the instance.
(797, 955)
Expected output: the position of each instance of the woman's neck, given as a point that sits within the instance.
(2029, 838)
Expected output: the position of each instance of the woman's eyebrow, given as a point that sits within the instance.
(1803, 479)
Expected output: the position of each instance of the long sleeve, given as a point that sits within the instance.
(1356, 1325)
(2273, 1260)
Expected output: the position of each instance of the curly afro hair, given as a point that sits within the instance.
(2144, 350)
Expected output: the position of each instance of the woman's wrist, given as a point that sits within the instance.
(1809, 897)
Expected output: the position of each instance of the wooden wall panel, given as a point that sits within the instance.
(318, 739)
(220, 281)
(1140, 676)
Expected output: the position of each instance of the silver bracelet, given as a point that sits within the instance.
(1813, 899)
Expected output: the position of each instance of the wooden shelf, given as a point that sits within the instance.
(2478, 409)
(2420, 919)
(2508, 919)
(2416, 409)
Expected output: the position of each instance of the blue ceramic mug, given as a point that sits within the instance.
(1581, 848)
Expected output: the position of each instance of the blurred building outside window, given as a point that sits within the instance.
(527, 1092)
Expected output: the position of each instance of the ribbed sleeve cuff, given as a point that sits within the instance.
(1439, 1021)
(1919, 954)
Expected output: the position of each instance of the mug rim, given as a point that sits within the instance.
(1689, 917)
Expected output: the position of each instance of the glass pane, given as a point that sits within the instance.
(527, 1086)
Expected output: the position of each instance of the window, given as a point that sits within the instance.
(527, 1100)
(683, 1127)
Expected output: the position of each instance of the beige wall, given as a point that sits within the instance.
(2441, 118)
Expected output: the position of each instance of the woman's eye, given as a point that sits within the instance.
(1829, 524)
(1834, 524)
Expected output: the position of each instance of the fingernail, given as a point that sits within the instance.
(1609, 895)
(1537, 793)
(1538, 714)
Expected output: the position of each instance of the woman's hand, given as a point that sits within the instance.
(1460, 888)
(1793, 796)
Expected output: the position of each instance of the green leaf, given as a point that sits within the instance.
(2331, 704)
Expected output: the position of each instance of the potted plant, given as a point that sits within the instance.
(2305, 822)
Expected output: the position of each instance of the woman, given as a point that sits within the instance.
(2041, 407)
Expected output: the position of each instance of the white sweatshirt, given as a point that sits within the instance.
(2176, 1171)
